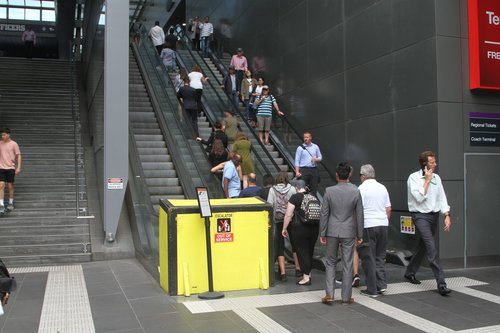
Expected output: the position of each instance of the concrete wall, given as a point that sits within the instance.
(375, 81)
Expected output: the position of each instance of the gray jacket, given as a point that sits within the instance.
(342, 212)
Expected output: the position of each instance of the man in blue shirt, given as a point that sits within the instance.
(307, 157)
(253, 189)
(230, 177)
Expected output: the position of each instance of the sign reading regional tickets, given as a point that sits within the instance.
(484, 129)
(484, 44)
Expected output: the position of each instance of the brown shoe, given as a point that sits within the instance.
(327, 300)
(349, 301)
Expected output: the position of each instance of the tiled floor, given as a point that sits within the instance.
(120, 296)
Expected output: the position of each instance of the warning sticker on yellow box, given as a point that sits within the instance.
(224, 238)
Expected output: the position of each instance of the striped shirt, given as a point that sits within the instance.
(207, 29)
(265, 108)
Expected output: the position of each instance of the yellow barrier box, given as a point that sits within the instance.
(241, 234)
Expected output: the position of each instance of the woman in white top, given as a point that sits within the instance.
(196, 80)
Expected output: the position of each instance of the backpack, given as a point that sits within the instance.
(280, 205)
(311, 208)
(7, 283)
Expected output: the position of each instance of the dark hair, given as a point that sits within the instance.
(196, 68)
(171, 31)
(157, 22)
(307, 132)
(6, 130)
(267, 180)
(282, 178)
(424, 157)
(183, 73)
(217, 125)
(343, 170)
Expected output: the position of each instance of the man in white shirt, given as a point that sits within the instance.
(157, 36)
(377, 211)
(426, 199)
(206, 32)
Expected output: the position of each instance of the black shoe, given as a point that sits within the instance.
(412, 279)
(366, 293)
(444, 291)
(282, 277)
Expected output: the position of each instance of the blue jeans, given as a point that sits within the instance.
(205, 46)
(232, 98)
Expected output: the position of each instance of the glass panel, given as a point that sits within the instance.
(32, 3)
(102, 19)
(48, 4)
(16, 3)
(3, 13)
(16, 14)
(33, 14)
(48, 15)
(3, 2)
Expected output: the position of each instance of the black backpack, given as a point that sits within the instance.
(7, 283)
(311, 208)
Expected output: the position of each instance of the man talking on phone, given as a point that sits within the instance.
(426, 199)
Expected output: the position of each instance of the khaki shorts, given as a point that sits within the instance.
(264, 123)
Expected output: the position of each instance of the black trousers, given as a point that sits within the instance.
(159, 48)
(239, 78)
(368, 263)
(304, 240)
(310, 177)
(426, 225)
(199, 93)
(193, 116)
(28, 45)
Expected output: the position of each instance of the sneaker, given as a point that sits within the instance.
(381, 291)
(10, 207)
(366, 293)
(338, 281)
(355, 280)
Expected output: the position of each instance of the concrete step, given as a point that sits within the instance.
(46, 260)
(51, 249)
(71, 229)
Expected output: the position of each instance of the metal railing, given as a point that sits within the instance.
(75, 117)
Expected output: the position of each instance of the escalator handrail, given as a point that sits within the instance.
(237, 110)
(185, 181)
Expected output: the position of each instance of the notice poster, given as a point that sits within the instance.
(407, 226)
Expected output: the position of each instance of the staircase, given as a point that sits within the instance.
(44, 228)
(161, 177)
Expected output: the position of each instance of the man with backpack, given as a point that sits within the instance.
(278, 196)
(304, 209)
(341, 224)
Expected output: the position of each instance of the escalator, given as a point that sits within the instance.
(286, 132)
(215, 103)
(165, 160)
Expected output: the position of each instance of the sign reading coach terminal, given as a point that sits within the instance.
(484, 44)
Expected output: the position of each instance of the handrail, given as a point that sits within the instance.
(189, 190)
(237, 110)
(139, 9)
(75, 124)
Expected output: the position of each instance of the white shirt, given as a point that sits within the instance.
(157, 35)
(195, 80)
(375, 201)
(206, 29)
(433, 201)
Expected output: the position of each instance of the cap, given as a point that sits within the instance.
(265, 87)
(239, 49)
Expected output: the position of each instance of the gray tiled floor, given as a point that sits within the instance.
(125, 298)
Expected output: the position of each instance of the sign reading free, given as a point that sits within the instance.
(484, 44)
